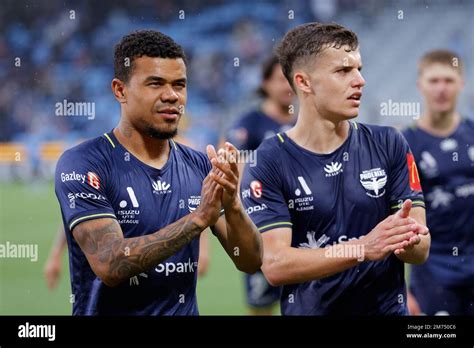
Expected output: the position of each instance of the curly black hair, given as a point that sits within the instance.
(150, 43)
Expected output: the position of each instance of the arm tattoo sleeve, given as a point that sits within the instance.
(127, 257)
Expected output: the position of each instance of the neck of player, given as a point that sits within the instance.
(440, 123)
(318, 134)
(151, 151)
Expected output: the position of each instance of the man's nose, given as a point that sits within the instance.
(359, 80)
(169, 95)
(441, 86)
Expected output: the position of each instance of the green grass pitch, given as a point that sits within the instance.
(30, 214)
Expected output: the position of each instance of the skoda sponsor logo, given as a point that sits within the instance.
(85, 195)
(256, 208)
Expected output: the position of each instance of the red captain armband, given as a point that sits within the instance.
(413, 176)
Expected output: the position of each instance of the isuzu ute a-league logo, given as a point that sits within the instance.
(374, 181)
(129, 214)
(302, 202)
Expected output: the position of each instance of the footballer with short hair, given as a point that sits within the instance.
(338, 203)
(442, 141)
(134, 202)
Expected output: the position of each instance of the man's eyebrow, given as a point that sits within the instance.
(161, 79)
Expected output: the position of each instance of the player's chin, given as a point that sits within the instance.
(351, 109)
(445, 107)
(163, 131)
(350, 113)
(170, 129)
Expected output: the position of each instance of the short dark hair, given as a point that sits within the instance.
(150, 43)
(310, 39)
(445, 57)
(267, 71)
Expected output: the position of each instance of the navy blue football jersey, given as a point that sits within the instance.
(446, 167)
(100, 178)
(327, 199)
(251, 129)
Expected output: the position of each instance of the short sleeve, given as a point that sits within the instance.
(262, 195)
(404, 178)
(79, 187)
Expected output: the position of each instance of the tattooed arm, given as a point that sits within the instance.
(114, 258)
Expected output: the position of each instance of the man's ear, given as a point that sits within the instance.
(302, 82)
(118, 89)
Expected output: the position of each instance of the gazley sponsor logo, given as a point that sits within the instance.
(73, 176)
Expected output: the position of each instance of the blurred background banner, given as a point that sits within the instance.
(56, 65)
